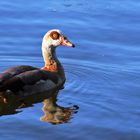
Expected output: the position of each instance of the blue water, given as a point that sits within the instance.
(103, 71)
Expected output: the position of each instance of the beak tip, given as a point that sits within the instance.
(73, 45)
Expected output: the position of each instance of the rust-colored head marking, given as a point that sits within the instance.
(54, 35)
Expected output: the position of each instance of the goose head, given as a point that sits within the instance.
(55, 38)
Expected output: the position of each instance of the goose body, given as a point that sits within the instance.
(27, 80)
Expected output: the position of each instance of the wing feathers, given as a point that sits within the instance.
(16, 78)
(13, 72)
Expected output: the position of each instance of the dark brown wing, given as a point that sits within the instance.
(7, 76)
(34, 76)
(31, 77)
(13, 72)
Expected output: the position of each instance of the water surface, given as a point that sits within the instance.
(103, 71)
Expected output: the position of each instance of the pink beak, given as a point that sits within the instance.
(66, 42)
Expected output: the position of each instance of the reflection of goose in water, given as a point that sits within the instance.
(27, 80)
(53, 113)
(56, 114)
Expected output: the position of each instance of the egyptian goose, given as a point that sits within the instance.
(27, 80)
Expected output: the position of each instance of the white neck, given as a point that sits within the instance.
(49, 55)
(50, 59)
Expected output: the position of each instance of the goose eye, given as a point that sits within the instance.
(54, 35)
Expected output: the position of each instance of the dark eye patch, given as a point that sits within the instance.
(54, 35)
(65, 38)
